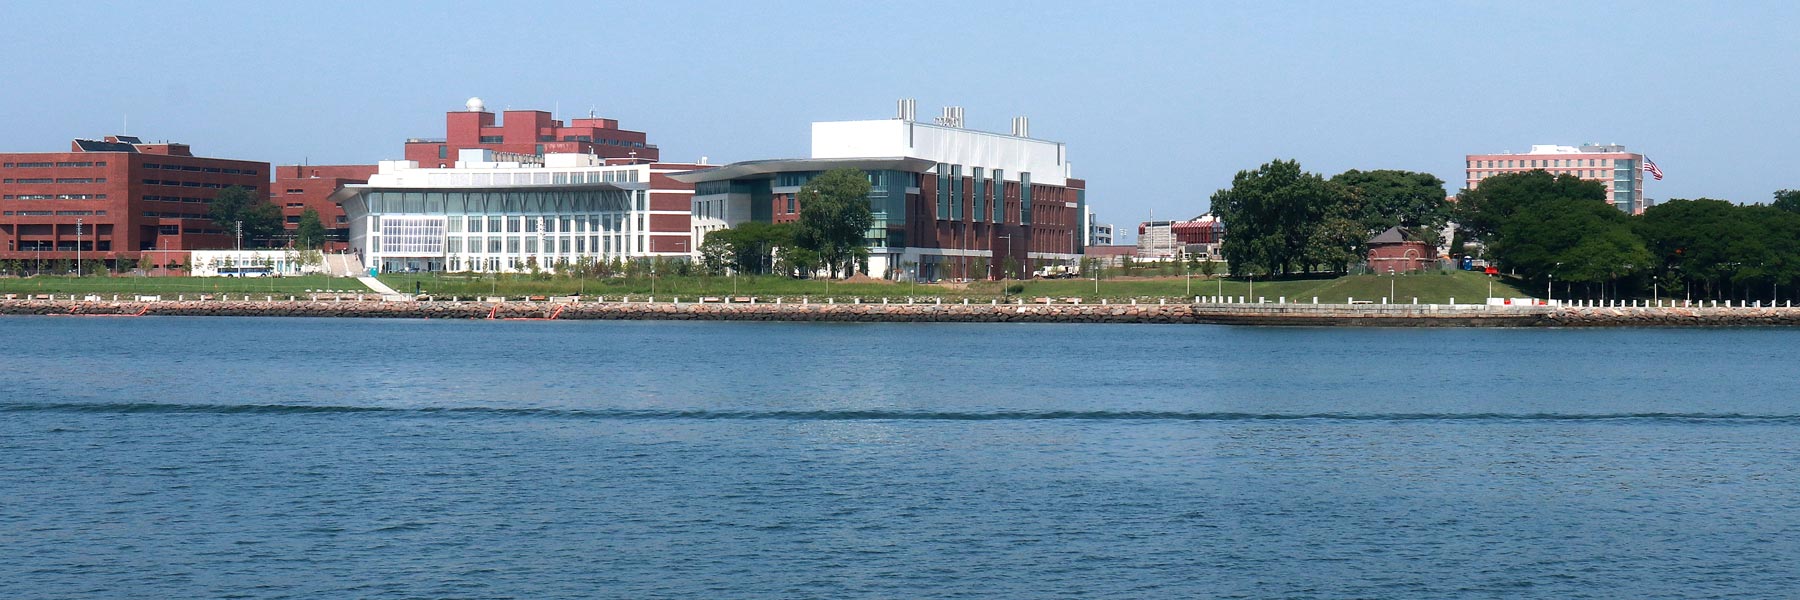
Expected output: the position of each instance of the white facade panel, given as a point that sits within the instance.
(1045, 160)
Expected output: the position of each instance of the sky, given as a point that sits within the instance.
(1159, 103)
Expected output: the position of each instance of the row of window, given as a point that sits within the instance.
(550, 224)
(54, 196)
(532, 178)
(529, 244)
(173, 215)
(46, 165)
(193, 184)
(199, 169)
(56, 180)
(416, 241)
(55, 213)
(1541, 163)
(1604, 175)
(183, 199)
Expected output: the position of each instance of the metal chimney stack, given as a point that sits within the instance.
(907, 109)
(1021, 126)
(952, 117)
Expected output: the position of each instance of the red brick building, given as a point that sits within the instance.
(528, 132)
(299, 187)
(125, 196)
(1400, 251)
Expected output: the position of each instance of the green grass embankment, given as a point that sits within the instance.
(1428, 288)
(169, 286)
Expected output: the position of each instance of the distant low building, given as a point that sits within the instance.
(1399, 250)
(1109, 256)
(1177, 240)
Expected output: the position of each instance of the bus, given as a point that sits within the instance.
(246, 271)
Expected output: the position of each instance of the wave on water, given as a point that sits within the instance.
(859, 415)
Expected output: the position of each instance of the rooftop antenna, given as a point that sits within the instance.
(125, 124)
(591, 108)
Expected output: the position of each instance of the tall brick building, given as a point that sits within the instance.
(125, 196)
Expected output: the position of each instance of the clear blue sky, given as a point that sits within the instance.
(1160, 103)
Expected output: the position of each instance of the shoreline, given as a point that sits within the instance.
(1308, 315)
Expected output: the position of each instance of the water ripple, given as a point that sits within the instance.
(863, 415)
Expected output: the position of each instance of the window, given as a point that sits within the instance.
(475, 224)
(296, 191)
(443, 152)
(293, 219)
(453, 224)
(491, 139)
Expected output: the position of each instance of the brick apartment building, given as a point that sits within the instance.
(115, 198)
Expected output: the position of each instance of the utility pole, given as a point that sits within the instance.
(240, 237)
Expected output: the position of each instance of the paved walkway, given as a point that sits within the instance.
(378, 286)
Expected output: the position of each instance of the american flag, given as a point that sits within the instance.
(1650, 166)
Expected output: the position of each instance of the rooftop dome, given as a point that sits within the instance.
(475, 105)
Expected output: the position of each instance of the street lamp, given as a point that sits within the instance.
(1549, 293)
(78, 247)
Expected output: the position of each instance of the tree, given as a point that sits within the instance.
(1274, 213)
(310, 235)
(1788, 200)
(835, 218)
(1388, 198)
(797, 262)
(716, 253)
(261, 219)
(1208, 267)
(1553, 227)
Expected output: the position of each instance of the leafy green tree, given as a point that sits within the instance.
(262, 220)
(716, 253)
(1713, 246)
(1388, 198)
(1274, 213)
(310, 234)
(1338, 242)
(797, 262)
(835, 218)
(1788, 200)
(1553, 227)
(1208, 267)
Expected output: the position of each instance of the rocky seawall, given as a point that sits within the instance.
(1427, 315)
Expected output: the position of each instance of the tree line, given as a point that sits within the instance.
(830, 235)
(1283, 220)
(1558, 231)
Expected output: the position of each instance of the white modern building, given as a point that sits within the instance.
(498, 212)
(1098, 234)
(949, 202)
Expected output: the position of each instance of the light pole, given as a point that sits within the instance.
(78, 247)
(1549, 292)
(1003, 292)
(1391, 297)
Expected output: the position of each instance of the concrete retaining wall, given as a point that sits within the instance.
(1234, 314)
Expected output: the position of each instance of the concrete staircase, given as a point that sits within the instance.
(344, 265)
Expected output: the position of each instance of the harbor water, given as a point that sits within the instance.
(324, 458)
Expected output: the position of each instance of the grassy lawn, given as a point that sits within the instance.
(125, 285)
(1465, 287)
